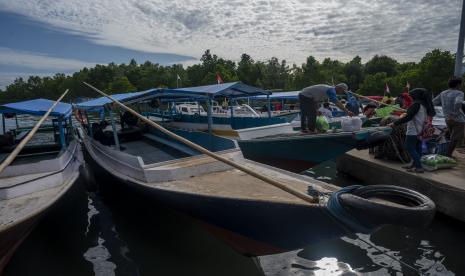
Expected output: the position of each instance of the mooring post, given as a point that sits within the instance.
(269, 105)
(3, 124)
(62, 133)
(113, 127)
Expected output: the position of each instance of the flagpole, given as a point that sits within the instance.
(459, 55)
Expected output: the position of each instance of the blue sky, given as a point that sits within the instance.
(30, 47)
(43, 37)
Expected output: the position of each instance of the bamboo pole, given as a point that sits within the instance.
(365, 97)
(26, 139)
(245, 169)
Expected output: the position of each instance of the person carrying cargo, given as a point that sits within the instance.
(416, 117)
(311, 97)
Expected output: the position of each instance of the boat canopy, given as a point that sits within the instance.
(290, 95)
(97, 105)
(229, 90)
(37, 107)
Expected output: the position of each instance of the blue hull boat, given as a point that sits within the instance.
(300, 151)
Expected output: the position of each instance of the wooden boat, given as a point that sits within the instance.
(247, 213)
(225, 121)
(39, 177)
(276, 144)
(297, 151)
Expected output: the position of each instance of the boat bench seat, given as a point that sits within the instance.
(182, 148)
(21, 136)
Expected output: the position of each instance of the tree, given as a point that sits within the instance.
(380, 64)
(354, 73)
(373, 84)
(432, 72)
(435, 68)
(120, 85)
(247, 70)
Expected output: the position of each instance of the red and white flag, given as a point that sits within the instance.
(386, 90)
(219, 79)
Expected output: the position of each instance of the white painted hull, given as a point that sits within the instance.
(26, 196)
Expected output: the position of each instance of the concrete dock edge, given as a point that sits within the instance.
(445, 187)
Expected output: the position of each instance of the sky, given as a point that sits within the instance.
(43, 37)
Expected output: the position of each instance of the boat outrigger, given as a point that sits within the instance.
(42, 173)
(232, 195)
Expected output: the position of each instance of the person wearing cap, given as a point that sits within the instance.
(311, 97)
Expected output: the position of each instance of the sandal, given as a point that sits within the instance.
(416, 170)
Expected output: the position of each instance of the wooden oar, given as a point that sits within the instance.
(203, 150)
(365, 97)
(28, 137)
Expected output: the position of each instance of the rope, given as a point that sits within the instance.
(338, 211)
(397, 151)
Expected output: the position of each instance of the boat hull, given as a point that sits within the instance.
(300, 149)
(295, 151)
(23, 211)
(253, 227)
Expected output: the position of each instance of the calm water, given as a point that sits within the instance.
(115, 232)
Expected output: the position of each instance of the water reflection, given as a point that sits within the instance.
(118, 232)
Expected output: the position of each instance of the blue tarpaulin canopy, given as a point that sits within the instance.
(230, 90)
(97, 105)
(37, 107)
(291, 95)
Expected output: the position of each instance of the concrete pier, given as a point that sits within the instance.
(445, 187)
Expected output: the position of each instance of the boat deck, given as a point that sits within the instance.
(151, 152)
(18, 208)
(236, 184)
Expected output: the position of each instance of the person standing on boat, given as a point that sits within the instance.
(325, 110)
(352, 103)
(451, 101)
(311, 97)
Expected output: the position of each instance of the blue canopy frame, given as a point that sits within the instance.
(198, 93)
(38, 107)
(99, 104)
(228, 90)
(290, 95)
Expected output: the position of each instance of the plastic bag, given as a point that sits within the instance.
(386, 111)
(432, 162)
(322, 124)
(351, 124)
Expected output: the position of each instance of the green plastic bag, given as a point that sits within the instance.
(322, 124)
(386, 111)
(432, 162)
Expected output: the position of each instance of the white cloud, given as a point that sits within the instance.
(291, 29)
(37, 61)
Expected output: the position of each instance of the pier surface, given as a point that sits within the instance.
(445, 187)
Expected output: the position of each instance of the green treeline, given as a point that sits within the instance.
(431, 72)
